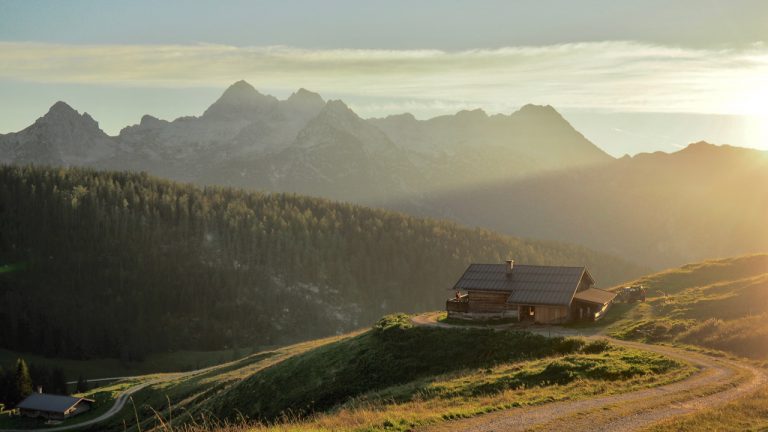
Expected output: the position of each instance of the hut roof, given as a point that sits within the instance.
(526, 284)
(595, 295)
(50, 403)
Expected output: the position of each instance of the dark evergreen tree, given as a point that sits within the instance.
(22, 382)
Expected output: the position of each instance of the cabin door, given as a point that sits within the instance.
(529, 313)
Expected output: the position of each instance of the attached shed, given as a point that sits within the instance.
(543, 294)
(53, 406)
(591, 303)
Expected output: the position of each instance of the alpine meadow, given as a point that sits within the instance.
(254, 216)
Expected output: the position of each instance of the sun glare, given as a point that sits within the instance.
(753, 104)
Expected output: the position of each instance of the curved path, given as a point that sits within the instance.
(121, 400)
(717, 382)
(114, 409)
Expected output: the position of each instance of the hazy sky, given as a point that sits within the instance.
(631, 75)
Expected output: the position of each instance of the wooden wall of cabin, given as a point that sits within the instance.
(581, 310)
(551, 314)
(488, 301)
(584, 284)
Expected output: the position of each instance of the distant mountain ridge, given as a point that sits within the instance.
(61, 137)
(704, 201)
(528, 173)
(305, 144)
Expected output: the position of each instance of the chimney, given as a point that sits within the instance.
(39, 389)
(510, 266)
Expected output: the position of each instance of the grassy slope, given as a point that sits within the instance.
(179, 361)
(390, 355)
(720, 304)
(395, 376)
(188, 391)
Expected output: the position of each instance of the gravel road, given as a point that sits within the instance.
(718, 381)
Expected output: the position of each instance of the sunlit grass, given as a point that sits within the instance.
(719, 304)
(569, 369)
(471, 393)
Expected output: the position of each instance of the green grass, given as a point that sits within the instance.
(398, 377)
(178, 395)
(393, 353)
(720, 305)
(106, 368)
(747, 414)
(443, 318)
(393, 379)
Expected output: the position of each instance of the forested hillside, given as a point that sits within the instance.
(660, 209)
(118, 264)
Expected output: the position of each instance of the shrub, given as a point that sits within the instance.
(596, 347)
(393, 322)
(702, 331)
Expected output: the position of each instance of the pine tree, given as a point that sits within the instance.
(22, 381)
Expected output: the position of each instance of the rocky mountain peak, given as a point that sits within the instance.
(471, 115)
(538, 110)
(699, 146)
(62, 115)
(305, 96)
(239, 88)
(304, 104)
(61, 108)
(148, 120)
(240, 100)
(338, 110)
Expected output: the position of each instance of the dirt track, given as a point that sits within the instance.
(717, 382)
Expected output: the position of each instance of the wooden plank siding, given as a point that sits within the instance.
(489, 301)
(551, 314)
(588, 311)
(584, 283)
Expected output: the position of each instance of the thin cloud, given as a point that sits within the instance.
(621, 76)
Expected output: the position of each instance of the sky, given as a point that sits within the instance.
(632, 75)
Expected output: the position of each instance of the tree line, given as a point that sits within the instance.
(118, 264)
(20, 380)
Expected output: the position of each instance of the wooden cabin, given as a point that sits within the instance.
(53, 406)
(542, 294)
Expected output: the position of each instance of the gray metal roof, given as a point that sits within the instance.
(528, 284)
(49, 402)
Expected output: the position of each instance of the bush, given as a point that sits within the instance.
(702, 331)
(596, 347)
(393, 322)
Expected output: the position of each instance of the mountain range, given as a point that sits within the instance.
(307, 145)
(528, 173)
